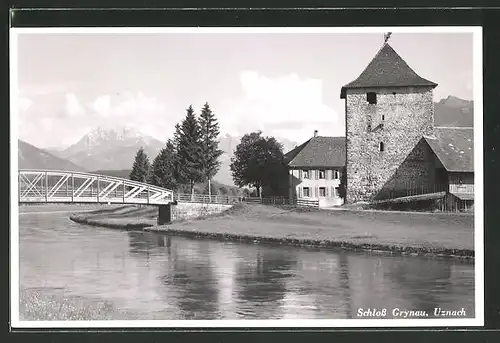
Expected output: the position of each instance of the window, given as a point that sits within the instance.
(322, 192)
(381, 146)
(321, 174)
(305, 192)
(383, 117)
(305, 174)
(335, 174)
(371, 97)
(369, 127)
(337, 191)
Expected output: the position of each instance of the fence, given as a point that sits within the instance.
(207, 199)
(227, 199)
(283, 201)
(414, 188)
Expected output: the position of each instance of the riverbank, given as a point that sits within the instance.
(45, 303)
(391, 232)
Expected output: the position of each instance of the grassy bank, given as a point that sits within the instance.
(53, 304)
(393, 232)
(127, 217)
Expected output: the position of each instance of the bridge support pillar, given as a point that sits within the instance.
(165, 213)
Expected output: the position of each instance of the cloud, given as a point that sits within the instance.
(267, 103)
(102, 105)
(60, 120)
(127, 105)
(73, 108)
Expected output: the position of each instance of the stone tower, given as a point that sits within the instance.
(388, 110)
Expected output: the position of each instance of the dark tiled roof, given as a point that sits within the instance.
(387, 69)
(319, 152)
(454, 147)
(289, 156)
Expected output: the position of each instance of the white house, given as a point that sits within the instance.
(315, 170)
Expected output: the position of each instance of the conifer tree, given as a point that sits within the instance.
(177, 171)
(163, 167)
(140, 168)
(189, 153)
(209, 144)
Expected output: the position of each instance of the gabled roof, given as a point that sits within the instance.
(318, 152)
(454, 147)
(289, 156)
(387, 69)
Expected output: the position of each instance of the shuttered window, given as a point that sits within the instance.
(307, 192)
(322, 192)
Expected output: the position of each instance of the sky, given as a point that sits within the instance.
(286, 84)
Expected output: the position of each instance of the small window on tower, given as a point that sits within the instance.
(371, 97)
(381, 146)
(383, 117)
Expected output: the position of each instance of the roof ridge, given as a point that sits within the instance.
(326, 151)
(387, 69)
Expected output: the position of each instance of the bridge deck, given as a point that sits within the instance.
(45, 186)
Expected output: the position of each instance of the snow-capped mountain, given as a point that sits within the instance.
(103, 149)
(115, 149)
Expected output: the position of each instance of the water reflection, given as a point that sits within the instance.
(161, 277)
(261, 279)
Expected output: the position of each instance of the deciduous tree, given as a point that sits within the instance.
(258, 162)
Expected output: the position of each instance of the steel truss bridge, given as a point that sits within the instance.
(55, 186)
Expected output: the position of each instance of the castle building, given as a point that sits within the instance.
(392, 147)
(389, 108)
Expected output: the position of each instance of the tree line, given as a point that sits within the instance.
(192, 156)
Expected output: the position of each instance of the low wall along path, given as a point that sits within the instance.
(183, 211)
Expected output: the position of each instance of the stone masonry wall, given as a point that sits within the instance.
(416, 174)
(184, 210)
(408, 115)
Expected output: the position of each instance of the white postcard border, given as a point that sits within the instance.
(348, 323)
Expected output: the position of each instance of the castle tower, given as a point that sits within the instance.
(388, 110)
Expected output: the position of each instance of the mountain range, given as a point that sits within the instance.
(103, 149)
(114, 150)
(455, 112)
(31, 157)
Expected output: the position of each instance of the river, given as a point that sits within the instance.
(140, 275)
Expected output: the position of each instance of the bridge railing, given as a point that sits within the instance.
(68, 186)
